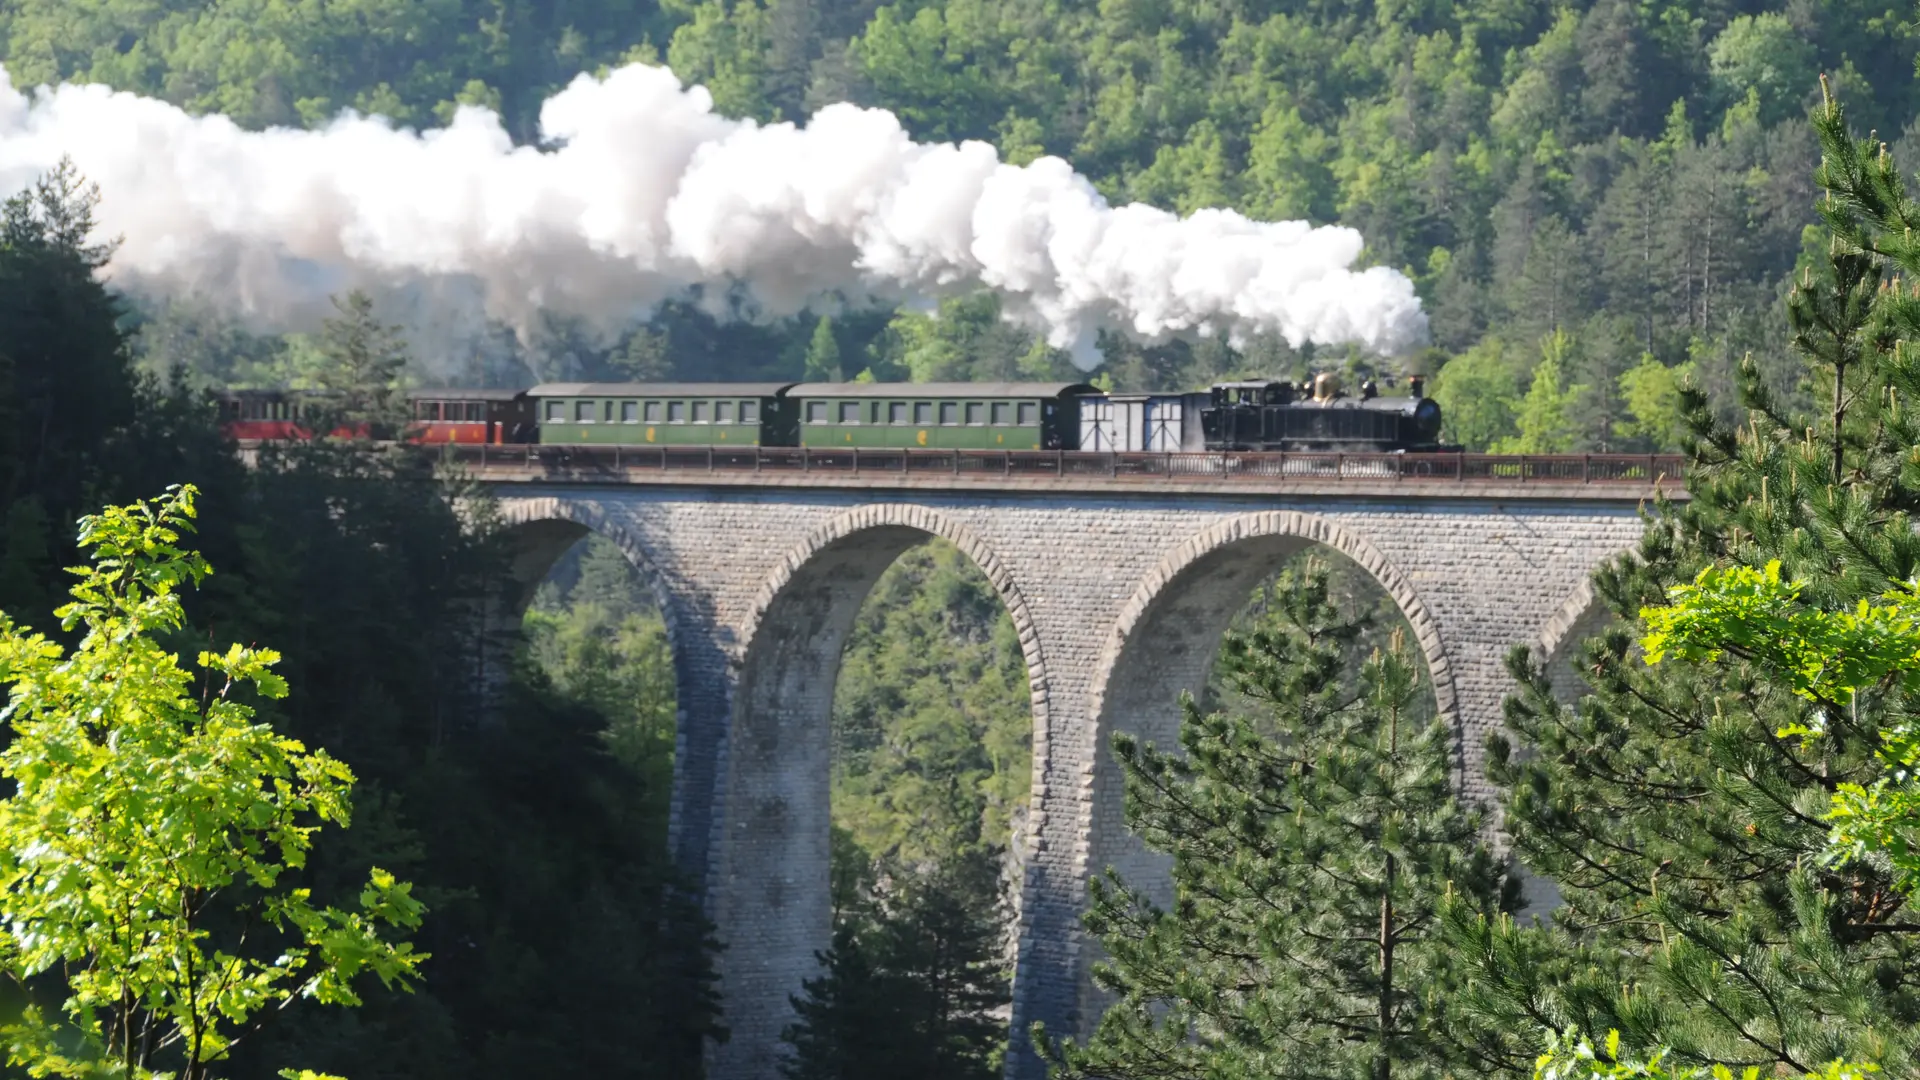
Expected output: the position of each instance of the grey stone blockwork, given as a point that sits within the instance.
(1119, 601)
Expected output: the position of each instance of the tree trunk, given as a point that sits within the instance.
(1383, 1065)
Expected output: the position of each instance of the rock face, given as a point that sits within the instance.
(1120, 599)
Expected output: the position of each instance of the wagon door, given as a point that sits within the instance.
(1097, 432)
(1130, 424)
(1165, 423)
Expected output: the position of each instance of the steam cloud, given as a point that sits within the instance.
(643, 194)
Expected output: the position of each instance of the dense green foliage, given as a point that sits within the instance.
(1312, 837)
(1682, 809)
(1827, 657)
(1570, 1057)
(931, 752)
(914, 983)
(266, 62)
(1603, 204)
(594, 633)
(555, 917)
(1630, 174)
(932, 724)
(146, 846)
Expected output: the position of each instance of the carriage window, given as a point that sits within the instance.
(1026, 414)
(676, 411)
(699, 412)
(723, 412)
(1001, 412)
(653, 412)
(949, 413)
(975, 413)
(749, 412)
(629, 412)
(897, 412)
(849, 412)
(816, 412)
(476, 411)
(923, 412)
(556, 411)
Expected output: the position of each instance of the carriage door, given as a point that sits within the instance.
(1165, 418)
(1130, 418)
(1129, 428)
(1097, 433)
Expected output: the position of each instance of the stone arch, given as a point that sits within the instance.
(1278, 527)
(1579, 617)
(1165, 641)
(1582, 615)
(929, 522)
(541, 529)
(546, 527)
(770, 898)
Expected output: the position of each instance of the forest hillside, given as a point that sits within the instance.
(1597, 201)
(1600, 203)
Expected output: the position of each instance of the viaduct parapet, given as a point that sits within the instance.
(1120, 593)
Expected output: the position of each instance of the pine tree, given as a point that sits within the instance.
(646, 357)
(823, 354)
(364, 361)
(913, 984)
(1311, 843)
(1683, 827)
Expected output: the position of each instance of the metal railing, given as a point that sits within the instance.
(614, 462)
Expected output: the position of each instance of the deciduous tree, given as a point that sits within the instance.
(148, 851)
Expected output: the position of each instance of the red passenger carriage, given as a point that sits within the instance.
(469, 416)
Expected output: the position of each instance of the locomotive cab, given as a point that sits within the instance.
(1235, 416)
(1318, 416)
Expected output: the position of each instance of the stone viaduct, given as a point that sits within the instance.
(1120, 590)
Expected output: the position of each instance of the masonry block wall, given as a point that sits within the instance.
(1119, 600)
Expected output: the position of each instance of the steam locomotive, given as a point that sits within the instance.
(1269, 416)
(1265, 415)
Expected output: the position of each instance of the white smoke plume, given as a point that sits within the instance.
(641, 193)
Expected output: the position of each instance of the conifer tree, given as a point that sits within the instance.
(823, 354)
(1682, 819)
(913, 984)
(365, 359)
(1311, 844)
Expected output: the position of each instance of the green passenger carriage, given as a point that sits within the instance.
(948, 416)
(664, 414)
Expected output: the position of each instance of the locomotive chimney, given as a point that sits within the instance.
(1417, 386)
